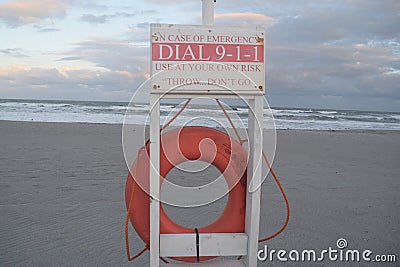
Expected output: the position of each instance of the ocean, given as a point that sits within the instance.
(114, 112)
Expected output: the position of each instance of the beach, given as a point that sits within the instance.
(62, 194)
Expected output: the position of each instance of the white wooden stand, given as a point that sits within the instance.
(235, 244)
(217, 244)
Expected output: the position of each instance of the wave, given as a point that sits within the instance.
(114, 112)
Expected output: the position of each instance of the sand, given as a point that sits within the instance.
(62, 194)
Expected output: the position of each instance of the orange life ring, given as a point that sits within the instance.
(180, 145)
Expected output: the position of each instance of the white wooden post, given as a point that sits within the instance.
(254, 172)
(212, 244)
(154, 180)
(208, 12)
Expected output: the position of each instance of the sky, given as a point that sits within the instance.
(342, 54)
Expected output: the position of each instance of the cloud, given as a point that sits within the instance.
(338, 21)
(94, 19)
(66, 83)
(48, 30)
(243, 19)
(112, 54)
(357, 75)
(99, 19)
(69, 58)
(120, 68)
(338, 54)
(23, 12)
(149, 12)
(14, 52)
(143, 25)
(87, 4)
(313, 59)
(173, 1)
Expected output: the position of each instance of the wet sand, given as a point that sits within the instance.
(62, 194)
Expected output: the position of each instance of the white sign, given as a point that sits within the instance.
(207, 58)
